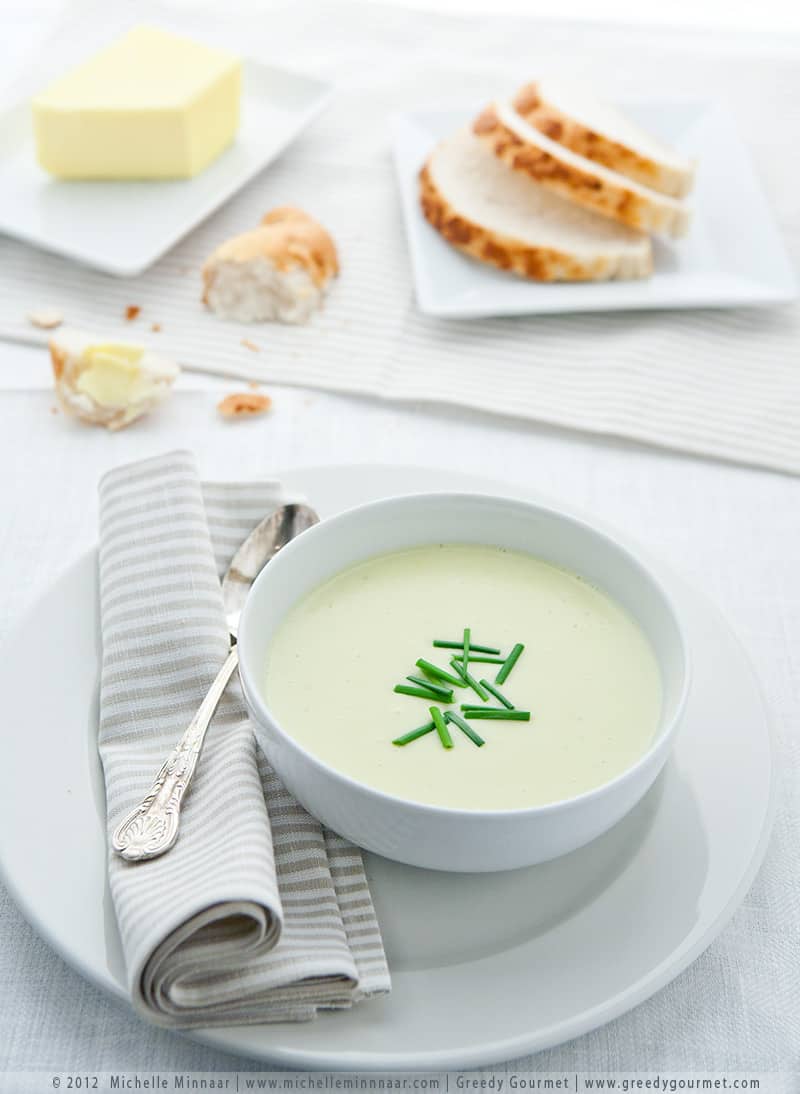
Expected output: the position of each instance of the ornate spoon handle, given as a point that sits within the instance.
(152, 827)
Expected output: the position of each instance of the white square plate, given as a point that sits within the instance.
(733, 255)
(123, 227)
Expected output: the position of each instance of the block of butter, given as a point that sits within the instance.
(152, 105)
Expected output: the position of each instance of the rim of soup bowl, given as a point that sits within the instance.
(664, 734)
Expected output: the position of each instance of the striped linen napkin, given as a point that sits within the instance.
(258, 914)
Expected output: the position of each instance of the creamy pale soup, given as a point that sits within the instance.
(587, 675)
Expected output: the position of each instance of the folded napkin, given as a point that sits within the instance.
(258, 914)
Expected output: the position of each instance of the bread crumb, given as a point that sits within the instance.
(251, 346)
(45, 318)
(244, 404)
(132, 311)
(254, 384)
(54, 410)
(155, 327)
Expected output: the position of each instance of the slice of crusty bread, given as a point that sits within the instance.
(498, 216)
(537, 157)
(570, 114)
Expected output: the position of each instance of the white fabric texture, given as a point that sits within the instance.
(257, 914)
(725, 383)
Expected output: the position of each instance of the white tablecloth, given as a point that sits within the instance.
(733, 531)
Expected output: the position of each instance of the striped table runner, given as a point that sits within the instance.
(258, 914)
(723, 383)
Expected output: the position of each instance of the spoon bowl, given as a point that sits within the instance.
(261, 545)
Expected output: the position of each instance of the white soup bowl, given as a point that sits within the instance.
(439, 837)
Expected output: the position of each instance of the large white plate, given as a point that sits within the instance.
(732, 256)
(123, 227)
(485, 967)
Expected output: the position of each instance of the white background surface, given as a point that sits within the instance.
(732, 530)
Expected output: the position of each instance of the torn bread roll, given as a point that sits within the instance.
(108, 382)
(279, 271)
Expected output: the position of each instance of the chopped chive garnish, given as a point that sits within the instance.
(441, 727)
(462, 725)
(498, 713)
(497, 694)
(440, 674)
(511, 660)
(407, 738)
(442, 645)
(445, 694)
(436, 686)
(420, 693)
(465, 676)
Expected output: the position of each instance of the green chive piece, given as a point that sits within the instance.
(465, 656)
(497, 694)
(511, 660)
(465, 728)
(441, 727)
(499, 714)
(465, 676)
(442, 645)
(407, 738)
(420, 693)
(486, 660)
(475, 706)
(445, 694)
(439, 674)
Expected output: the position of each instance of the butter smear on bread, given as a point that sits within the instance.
(110, 383)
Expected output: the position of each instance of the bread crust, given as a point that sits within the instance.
(611, 198)
(534, 108)
(516, 256)
(58, 360)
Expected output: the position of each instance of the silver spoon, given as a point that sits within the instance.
(152, 827)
